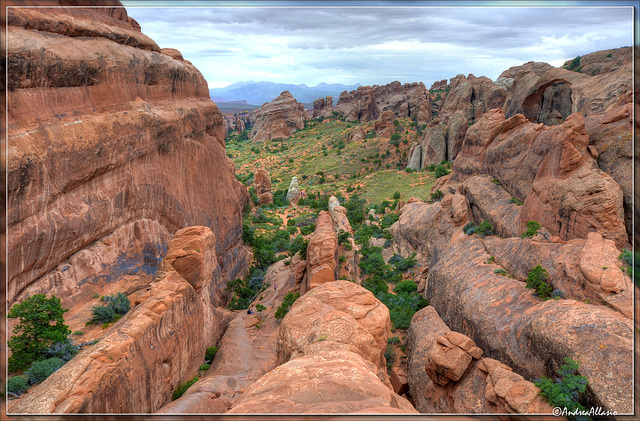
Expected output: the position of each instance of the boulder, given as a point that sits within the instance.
(293, 194)
(323, 107)
(415, 157)
(262, 186)
(600, 265)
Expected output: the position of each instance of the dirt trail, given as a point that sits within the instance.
(246, 352)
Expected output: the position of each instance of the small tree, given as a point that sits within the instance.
(260, 309)
(566, 390)
(287, 302)
(532, 229)
(41, 326)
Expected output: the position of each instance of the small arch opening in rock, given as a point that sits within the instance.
(549, 104)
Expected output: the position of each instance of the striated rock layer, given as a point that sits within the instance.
(105, 129)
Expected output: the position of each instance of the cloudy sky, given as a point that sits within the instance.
(377, 45)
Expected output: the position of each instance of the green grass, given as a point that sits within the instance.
(360, 163)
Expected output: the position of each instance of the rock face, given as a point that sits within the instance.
(599, 263)
(262, 186)
(108, 131)
(278, 119)
(604, 61)
(367, 103)
(338, 332)
(323, 107)
(136, 366)
(293, 194)
(571, 196)
(448, 373)
(322, 253)
(433, 143)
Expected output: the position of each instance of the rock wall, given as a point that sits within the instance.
(105, 129)
(367, 103)
(137, 364)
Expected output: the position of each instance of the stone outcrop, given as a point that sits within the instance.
(604, 61)
(367, 103)
(106, 130)
(339, 216)
(278, 119)
(293, 194)
(447, 373)
(322, 253)
(415, 157)
(137, 364)
(460, 286)
(262, 186)
(433, 143)
(599, 263)
(338, 332)
(323, 107)
(571, 196)
(383, 126)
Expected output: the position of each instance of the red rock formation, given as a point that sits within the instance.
(571, 196)
(368, 102)
(136, 366)
(332, 343)
(604, 61)
(105, 130)
(262, 186)
(278, 119)
(322, 253)
(448, 374)
(339, 216)
(513, 326)
(323, 107)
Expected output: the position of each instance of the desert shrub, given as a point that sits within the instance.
(343, 237)
(298, 244)
(292, 230)
(41, 326)
(40, 370)
(536, 279)
(287, 302)
(210, 353)
(389, 220)
(532, 229)
(396, 195)
(117, 305)
(371, 261)
(575, 64)
(64, 350)
(254, 196)
(248, 233)
(17, 385)
(516, 201)
(437, 195)
(244, 290)
(405, 287)
(355, 210)
(308, 229)
(401, 264)
(395, 139)
(564, 391)
(627, 257)
(183, 388)
(485, 228)
(441, 171)
(204, 367)
(431, 167)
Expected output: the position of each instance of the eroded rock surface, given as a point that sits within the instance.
(262, 186)
(278, 119)
(322, 253)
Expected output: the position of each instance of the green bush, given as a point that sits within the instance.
(63, 350)
(401, 264)
(532, 229)
(183, 388)
(437, 196)
(405, 287)
(485, 228)
(210, 353)
(17, 385)
(204, 367)
(566, 390)
(41, 326)
(308, 229)
(536, 279)
(343, 237)
(396, 195)
(516, 201)
(441, 171)
(431, 167)
(287, 302)
(355, 210)
(575, 63)
(627, 257)
(389, 220)
(117, 305)
(40, 370)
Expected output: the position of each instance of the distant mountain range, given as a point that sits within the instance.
(257, 93)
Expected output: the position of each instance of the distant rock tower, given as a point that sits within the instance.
(293, 195)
